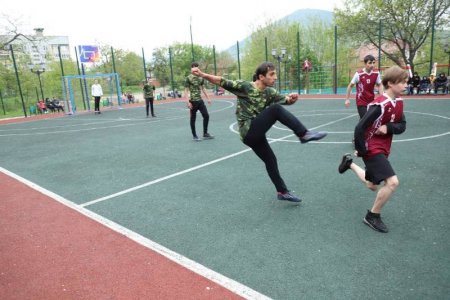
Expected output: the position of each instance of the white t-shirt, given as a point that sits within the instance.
(96, 90)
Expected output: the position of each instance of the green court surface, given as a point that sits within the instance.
(212, 201)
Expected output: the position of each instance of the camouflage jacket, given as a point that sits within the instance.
(148, 90)
(194, 84)
(250, 101)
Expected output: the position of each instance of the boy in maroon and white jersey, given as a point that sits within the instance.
(373, 140)
(365, 80)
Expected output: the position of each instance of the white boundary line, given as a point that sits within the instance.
(194, 168)
(134, 122)
(218, 278)
(396, 140)
(162, 178)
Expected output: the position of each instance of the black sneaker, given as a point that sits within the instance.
(345, 163)
(287, 196)
(207, 136)
(313, 136)
(196, 139)
(375, 222)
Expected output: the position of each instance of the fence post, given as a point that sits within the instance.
(335, 60)
(3, 105)
(18, 80)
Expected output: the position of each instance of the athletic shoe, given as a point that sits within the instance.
(287, 196)
(375, 222)
(313, 136)
(345, 163)
(207, 136)
(196, 139)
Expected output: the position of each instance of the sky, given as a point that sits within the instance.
(134, 25)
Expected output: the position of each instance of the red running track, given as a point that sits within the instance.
(50, 251)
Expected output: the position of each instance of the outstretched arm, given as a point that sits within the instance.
(349, 90)
(211, 78)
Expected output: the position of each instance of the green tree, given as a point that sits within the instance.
(316, 45)
(159, 66)
(181, 63)
(406, 24)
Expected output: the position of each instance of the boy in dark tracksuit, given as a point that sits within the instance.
(149, 89)
(193, 87)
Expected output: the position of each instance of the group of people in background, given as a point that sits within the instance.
(53, 105)
(426, 85)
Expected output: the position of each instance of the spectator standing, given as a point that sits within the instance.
(97, 93)
(149, 90)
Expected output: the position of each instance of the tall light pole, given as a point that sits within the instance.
(279, 58)
(447, 50)
(289, 58)
(38, 69)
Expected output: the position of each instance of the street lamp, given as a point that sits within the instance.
(289, 58)
(279, 58)
(38, 69)
(447, 50)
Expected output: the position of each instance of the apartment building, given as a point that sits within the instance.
(40, 48)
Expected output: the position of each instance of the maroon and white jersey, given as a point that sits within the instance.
(365, 84)
(391, 111)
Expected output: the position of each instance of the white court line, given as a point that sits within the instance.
(141, 121)
(132, 189)
(218, 278)
(162, 179)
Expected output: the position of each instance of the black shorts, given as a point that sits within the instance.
(378, 168)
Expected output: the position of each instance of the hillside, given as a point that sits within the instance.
(302, 16)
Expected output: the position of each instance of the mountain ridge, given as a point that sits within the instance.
(303, 16)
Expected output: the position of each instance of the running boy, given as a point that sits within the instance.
(365, 80)
(258, 108)
(373, 140)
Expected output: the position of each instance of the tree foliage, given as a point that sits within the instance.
(406, 24)
(10, 29)
(181, 59)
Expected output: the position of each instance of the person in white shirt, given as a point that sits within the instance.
(97, 93)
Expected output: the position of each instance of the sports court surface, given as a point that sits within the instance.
(118, 206)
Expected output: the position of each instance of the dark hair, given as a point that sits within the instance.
(394, 75)
(262, 69)
(368, 58)
(194, 65)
